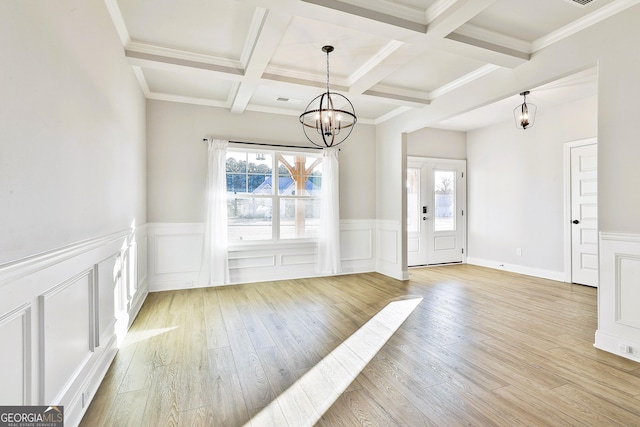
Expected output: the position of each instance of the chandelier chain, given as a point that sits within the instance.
(328, 71)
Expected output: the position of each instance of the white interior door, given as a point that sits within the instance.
(436, 194)
(584, 215)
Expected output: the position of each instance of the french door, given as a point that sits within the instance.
(436, 227)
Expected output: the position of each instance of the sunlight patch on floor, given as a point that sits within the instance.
(304, 403)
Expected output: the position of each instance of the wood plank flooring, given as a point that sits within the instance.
(483, 348)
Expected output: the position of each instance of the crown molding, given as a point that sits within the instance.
(118, 21)
(466, 79)
(142, 81)
(391, 114)
(582, 23)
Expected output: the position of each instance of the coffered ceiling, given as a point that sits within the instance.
(390, 56)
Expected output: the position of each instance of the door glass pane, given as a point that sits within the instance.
(413, 200)
(444, 192)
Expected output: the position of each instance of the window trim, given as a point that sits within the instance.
(239, 245)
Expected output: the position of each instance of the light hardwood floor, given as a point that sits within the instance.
(483, 348)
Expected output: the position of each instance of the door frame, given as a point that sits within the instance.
(461, 162)
(567, 203)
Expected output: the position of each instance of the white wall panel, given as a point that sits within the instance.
(388, 247)
(106, 274)
(15, 353)
(176, 264)
(628, 290)
(356, 244)
(252, 262)
(178, 253)
(297, 259)
(66, 335)
(618, 295)
(388, 250)
(53, 308)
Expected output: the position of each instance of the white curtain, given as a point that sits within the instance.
(214, 268)
(329, 232)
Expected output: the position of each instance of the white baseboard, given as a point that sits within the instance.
(79, 402)
(617, 345)
(520, 269)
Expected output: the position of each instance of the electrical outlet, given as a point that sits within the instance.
(626, 349)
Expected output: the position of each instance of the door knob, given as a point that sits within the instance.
(575, 221)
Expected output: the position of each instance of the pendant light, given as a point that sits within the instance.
(525, 114)
(329, 118)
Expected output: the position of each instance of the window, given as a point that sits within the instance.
(272, 196)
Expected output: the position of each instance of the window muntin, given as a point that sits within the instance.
(272, 196)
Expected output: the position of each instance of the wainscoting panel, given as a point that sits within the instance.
(356, 245)
(66, 334)
(175, 251)
(61, 311)
(107, 276)
(178, 253)
(628, 290)
(299, 258)
(15, 352)
(618, 295)
(252, 262)
(389, 250)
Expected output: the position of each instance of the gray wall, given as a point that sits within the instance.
(515, 186)
(437, 143)
(176, 157)
(609, 45)
(72, 128)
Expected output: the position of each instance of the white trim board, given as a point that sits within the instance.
(519, 269)
(567, 200)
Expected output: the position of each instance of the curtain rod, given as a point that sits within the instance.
(268, 145)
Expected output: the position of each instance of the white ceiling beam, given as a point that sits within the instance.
(392, 56)
(158, 57)
(446, 16)
(266, 31)
(480, 50)
(370, 14)
(468, 78)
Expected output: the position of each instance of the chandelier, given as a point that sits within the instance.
(525, 114)
(329, 118)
